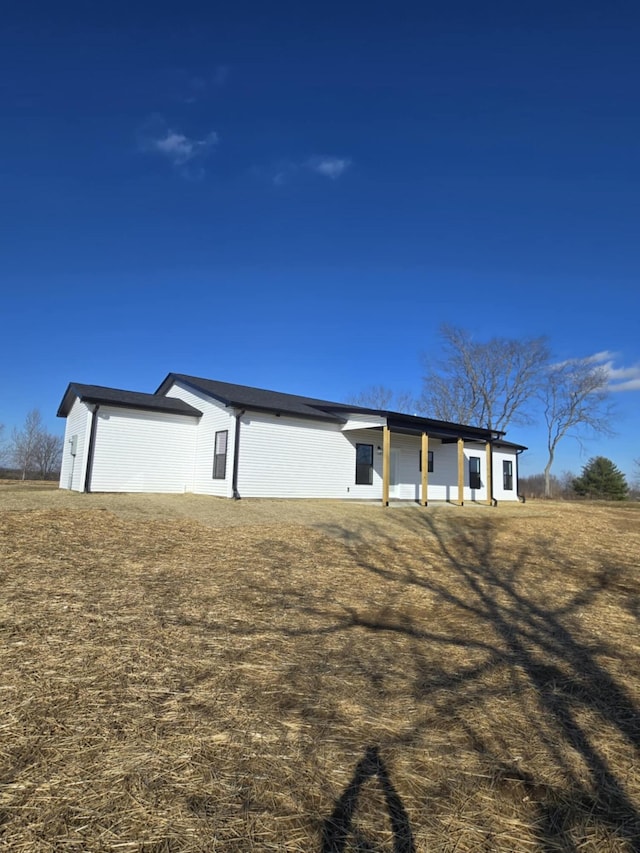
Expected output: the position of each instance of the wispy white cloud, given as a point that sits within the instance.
(180, 149)
(629, 385)
(620, 378)
(330, 167)
(186, 153)
(327, 167)
(600, 357)
(619, 373)
(623, 378)
(283, 172)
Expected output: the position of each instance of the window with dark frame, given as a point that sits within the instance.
(429, 461)
(474, 472)
(507, 475)
(364, 464)
(220, 455)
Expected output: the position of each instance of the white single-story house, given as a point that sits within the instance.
(217, 438)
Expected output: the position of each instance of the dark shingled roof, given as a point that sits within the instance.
(244, 396)
(510, 444)
(260, 399)
(125, 399)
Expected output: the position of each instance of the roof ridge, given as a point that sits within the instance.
(262, 390)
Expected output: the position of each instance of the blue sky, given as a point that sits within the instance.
(296, 197)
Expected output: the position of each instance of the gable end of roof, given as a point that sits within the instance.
(101, 395)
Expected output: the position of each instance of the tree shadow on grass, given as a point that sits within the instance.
(525, 636)
(481, 631)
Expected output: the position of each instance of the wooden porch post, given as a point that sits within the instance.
(489, 473)
(425, 469)
(461, 471)
(386, 463)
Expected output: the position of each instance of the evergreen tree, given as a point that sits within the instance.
(601, 479)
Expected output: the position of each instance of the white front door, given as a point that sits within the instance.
(394, 474)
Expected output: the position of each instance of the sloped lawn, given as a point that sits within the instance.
(187, 674)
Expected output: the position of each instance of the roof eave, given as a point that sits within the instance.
(310, 416)
(66, 403)
(413, 424)
(73, 392)
(142, 407)
(237, 404)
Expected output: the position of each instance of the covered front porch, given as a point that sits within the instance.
(425, 460)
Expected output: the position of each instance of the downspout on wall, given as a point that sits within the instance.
(236, 456)
(491, 500)
(521, 498)
(91, 450)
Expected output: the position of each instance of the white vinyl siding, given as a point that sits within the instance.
(139, 451)
(409, 478)
(291, 457)
(282, 457)
(73, 469)
(220, 443)
(443, 480)
(406, 483)
(480, 453)
(499, 492)
(215, 418)
(357, 421)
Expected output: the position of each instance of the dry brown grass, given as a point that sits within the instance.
(187, 674)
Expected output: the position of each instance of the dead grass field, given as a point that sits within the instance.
(181, 673)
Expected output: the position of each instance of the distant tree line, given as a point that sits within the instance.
(533, 485)
(503, 381)
(600, 480)
(31, 452)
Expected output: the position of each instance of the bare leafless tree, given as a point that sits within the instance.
(385, 398)
(33, 449)
(405, 402)
(576, 403)
(533, 485)
(48, 454)
(489, 384)
(24, 441)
